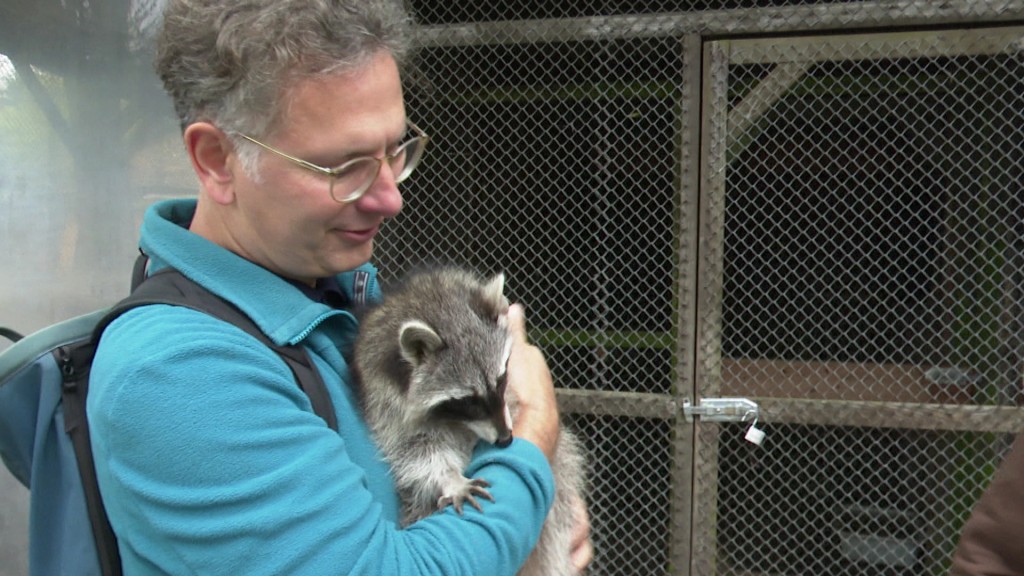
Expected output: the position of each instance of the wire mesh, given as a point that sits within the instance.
(872, 249)
(860, 245)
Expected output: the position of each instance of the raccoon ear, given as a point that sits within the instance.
(417, 341)
(494, 295)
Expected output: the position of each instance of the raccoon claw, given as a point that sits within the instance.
(467, 492)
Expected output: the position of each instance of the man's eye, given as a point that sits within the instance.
(356, 170)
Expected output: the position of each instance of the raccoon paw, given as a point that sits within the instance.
(465, 490)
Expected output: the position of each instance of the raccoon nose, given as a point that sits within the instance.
(504, 440)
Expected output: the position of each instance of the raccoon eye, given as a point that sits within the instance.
(466, 408)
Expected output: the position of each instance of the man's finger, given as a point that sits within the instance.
(582, 548)
(517, 322)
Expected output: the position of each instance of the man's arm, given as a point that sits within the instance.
(211, 462)
(992, 541)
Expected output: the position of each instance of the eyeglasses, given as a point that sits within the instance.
(353, 178)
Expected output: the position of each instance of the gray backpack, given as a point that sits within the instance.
(44, 432)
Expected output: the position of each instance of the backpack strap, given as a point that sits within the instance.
(139, 270)
(165, 287)
(10, 334)
(74, 361)
(171, 287)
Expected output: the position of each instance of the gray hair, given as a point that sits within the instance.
(230, 62)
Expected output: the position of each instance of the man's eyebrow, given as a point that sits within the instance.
(404, 134)
(334, 160)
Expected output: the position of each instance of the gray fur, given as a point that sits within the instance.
(435, 342)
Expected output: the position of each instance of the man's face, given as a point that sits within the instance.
(287, 221)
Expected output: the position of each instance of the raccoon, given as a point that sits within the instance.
(430, 362)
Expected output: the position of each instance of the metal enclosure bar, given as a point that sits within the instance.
(847, 16)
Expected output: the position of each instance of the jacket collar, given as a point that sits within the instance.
(280, 310)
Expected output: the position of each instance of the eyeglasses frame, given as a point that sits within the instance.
(420, 138)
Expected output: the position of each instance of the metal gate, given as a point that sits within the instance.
(812, 205)
(863, 198)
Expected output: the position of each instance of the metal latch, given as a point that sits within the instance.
(721, 410)
(727, 410)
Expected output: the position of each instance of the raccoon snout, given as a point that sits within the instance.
(504, 440)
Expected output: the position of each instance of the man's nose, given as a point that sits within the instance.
(383, 197)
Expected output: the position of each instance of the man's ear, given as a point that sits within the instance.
(210, 152)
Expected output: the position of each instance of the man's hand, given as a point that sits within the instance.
(528, 375)
(582, 549)
(537, 420)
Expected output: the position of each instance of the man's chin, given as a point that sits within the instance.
(352, 258)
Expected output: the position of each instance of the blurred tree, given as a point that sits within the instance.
(87, 66)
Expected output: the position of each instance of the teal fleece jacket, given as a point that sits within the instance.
(211, 461)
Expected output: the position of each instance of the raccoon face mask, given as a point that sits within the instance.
(458, 364)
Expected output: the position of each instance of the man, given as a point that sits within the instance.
(209, 457)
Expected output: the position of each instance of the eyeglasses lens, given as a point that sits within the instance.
(359, 175)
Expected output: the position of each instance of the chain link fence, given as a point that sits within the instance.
(814, 205)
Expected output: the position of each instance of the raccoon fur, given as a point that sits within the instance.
(430, 362)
